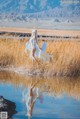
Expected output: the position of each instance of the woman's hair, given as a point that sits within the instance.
(34, 34)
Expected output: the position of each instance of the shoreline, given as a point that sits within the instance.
(36, 72)
(20, 70)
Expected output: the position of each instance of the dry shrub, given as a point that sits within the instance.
(66, 57)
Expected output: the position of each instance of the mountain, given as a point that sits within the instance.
(39, 8)
(27, 6)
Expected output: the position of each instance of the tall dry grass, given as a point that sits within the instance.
(66, 57)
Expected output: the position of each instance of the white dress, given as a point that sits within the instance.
(33, 43)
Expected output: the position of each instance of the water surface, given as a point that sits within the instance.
(61, 96)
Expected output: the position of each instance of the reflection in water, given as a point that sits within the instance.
(51, 86)
(67, 106)
(30, 98)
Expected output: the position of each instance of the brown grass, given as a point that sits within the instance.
(66, 57)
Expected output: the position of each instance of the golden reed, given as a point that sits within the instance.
(66, 57)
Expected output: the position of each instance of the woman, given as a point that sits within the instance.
(34, 49)
(33, 44)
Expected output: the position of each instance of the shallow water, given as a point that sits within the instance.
(61, 96)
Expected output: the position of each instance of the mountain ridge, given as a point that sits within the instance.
(39, 8)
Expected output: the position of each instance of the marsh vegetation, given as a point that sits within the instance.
(66, 57)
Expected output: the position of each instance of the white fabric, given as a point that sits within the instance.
(32, 43)
(40, 53)
(30, 47)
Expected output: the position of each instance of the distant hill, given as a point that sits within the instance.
(27, 6)
(38, 8)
